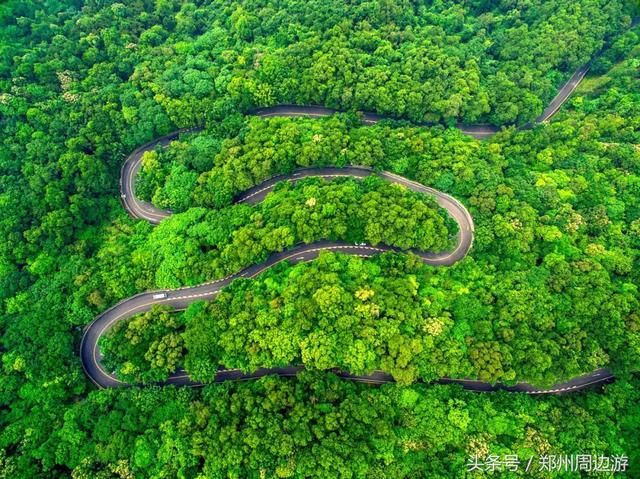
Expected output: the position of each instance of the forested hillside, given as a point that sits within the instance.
(203, 244)
(549, 290)
(319, 426)
(441, 61)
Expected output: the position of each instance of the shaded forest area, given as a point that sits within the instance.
(320, 426)
(553, 272)
(200, 244)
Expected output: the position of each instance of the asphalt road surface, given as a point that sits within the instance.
(564, 93)
(480, 131)
(182, 297)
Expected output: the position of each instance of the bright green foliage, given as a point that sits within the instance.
(201, 244)
(359, 316)
(553, 272)
(320, 426)
(146, 348)
(392, 314)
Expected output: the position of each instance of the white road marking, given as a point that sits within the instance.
(442, 199)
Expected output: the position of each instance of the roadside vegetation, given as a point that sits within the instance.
(320, 426)
(549, 289)
(203, 244)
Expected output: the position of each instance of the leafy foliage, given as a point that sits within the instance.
(319, 426)
(554, 269)
(151, 339)
(202, 244)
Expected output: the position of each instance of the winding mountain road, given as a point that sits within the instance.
(480, 131)
(181, 298)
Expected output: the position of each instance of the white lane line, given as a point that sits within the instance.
(295, 177)
(208, 283)
(129, 313)
(574, 82)
(141, 207)
(256, 193)
(285, 114)
(568, 388)
(313, 250)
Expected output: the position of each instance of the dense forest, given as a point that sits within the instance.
(200, 244)
(548, 291)
(319, 426)
(556, 212)
(387, 314)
